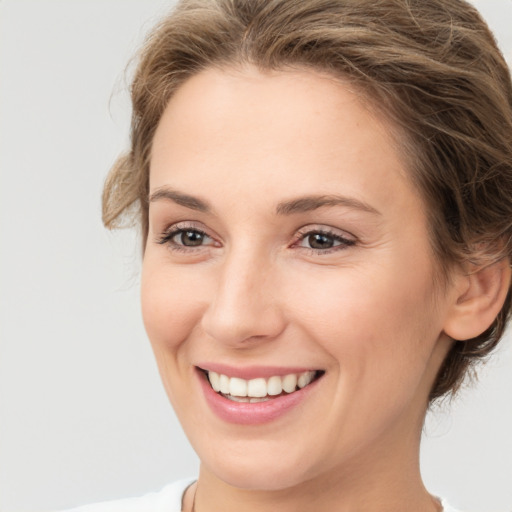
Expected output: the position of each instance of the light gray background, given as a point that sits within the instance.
(83, 416)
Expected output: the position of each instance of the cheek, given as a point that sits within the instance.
(378, 320)
(171, 304)
(170, 310)
(379, 331)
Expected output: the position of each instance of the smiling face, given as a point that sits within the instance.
(285, 241)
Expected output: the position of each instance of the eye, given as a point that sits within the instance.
(183, 238)
(323, 240)
(319, 241)
(189, 238)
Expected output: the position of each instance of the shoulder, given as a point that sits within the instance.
(166, 500)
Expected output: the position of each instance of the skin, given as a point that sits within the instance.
(366, 311)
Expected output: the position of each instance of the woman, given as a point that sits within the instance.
(324, 190)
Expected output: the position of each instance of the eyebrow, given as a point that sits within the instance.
(313, 202)
(293, 206)
(180, 198)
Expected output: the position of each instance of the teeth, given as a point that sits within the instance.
(258, 390)
(256, 400)
(289, 383)
(304, 379)
(224, 384)
(238, 387)
(274, 386)
(238, 398)
(246, 399)
(214, 380)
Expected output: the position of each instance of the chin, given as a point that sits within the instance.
(258, 469)
(259, 479)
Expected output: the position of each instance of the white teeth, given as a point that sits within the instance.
(224, 384)
(238, 398)
(274, 386)
(289, 383)
(237, 387)
(246, 399)
(255, 390)
(256, 400)
(214, 381)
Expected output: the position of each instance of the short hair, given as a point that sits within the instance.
(431, 66)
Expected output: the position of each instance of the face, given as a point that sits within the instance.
(288, 264)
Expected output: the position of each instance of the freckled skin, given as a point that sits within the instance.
(254, 292)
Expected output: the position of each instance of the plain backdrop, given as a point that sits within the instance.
(83, 416)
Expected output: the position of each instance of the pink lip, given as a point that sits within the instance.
(251, 372)
(244, 413)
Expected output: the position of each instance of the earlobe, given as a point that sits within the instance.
(480, 297)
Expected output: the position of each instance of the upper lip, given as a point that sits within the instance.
(253, 372)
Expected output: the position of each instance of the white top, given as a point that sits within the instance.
(167, 500)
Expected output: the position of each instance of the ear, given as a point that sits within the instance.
(479, 297)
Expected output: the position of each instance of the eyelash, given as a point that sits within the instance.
(177, 229)
(344, 242)
(304, 233)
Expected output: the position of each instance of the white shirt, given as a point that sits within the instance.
(169, 499)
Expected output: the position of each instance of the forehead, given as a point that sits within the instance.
(265, 102)
(276, 132)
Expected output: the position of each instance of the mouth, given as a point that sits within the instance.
(260, 389)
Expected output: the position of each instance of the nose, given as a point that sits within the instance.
(244, 306)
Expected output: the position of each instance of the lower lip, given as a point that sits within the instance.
(245, 413)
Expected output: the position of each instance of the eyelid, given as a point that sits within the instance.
(327, 230)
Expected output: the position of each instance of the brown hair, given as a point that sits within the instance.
(432, 66)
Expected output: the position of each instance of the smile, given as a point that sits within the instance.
(259, 389)
(255, 395)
